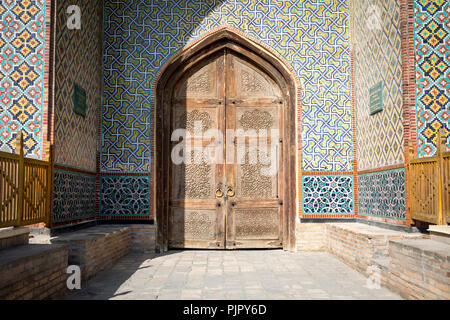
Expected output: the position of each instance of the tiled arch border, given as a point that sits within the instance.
(409, 87)
(269, 52)
(47, 133)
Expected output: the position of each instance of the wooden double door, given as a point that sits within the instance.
(225, 174)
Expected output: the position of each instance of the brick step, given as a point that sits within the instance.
(11, 237)
(96, 248)
(420, 268)
(33, 271)
(410, 263)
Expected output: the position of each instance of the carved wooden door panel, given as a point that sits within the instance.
(233, 198)
(253, 177)
(196, 217)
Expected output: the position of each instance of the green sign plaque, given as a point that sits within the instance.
(79, 100)
(376, 98)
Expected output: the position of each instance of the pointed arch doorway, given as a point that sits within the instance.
(220, 97)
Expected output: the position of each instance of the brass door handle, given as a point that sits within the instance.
(230, 192)
(219, 193)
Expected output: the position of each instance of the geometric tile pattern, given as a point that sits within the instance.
(328, 195)
(312, 35)
(432, 44)
(125, 196)
(382, 194)
(73, 196)
(22, 74)
(78, 60)
(378, 58)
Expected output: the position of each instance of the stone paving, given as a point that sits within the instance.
(223, 275)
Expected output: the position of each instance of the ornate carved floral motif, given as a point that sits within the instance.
(262, 223)
(199, 225)
(193, 181)
(252, 82)
(186, 120)
(199, 83)
(256, 119)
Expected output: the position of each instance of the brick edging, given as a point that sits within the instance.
(409, 87)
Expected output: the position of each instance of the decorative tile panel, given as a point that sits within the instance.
(377, 50)
(22, 74)
(327, 195)
(140, 36)
(78, 61)
(382, 194)
(73, 196)
(125, 196)
(432, 43)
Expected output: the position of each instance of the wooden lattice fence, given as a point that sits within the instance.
(429, 186)
(25, 188)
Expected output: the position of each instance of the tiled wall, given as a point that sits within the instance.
(125, 196)
(73, 196)
(327, 195)
(140, 36)
(22, 67)
(76, 138)
(382, 194)
(432, 42)
(377, 51)
(78, 61)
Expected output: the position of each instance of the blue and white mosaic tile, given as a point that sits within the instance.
(73, 196)
(125, 196)
(324, 195)
(382, 194)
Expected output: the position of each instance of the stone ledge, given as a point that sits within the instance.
(11, 237)
(440, 229)
(440, 233)
(95, 249)
(23, 253)
(371, 231)
(33, 271)
(88, 234)
(424, 246)
(419, 269)
(13, 232)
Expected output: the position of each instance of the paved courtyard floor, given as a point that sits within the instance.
(222, 275)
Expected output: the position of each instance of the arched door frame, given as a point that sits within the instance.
(179, 64)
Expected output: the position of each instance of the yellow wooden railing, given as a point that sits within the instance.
(429, 186)
(25, 188)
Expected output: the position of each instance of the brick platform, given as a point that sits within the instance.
(311, 237)
(11, 237)
(95, 249)
(410, 263)
(33, 271)
(360, 245)
(419, 269)
(143, 237)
